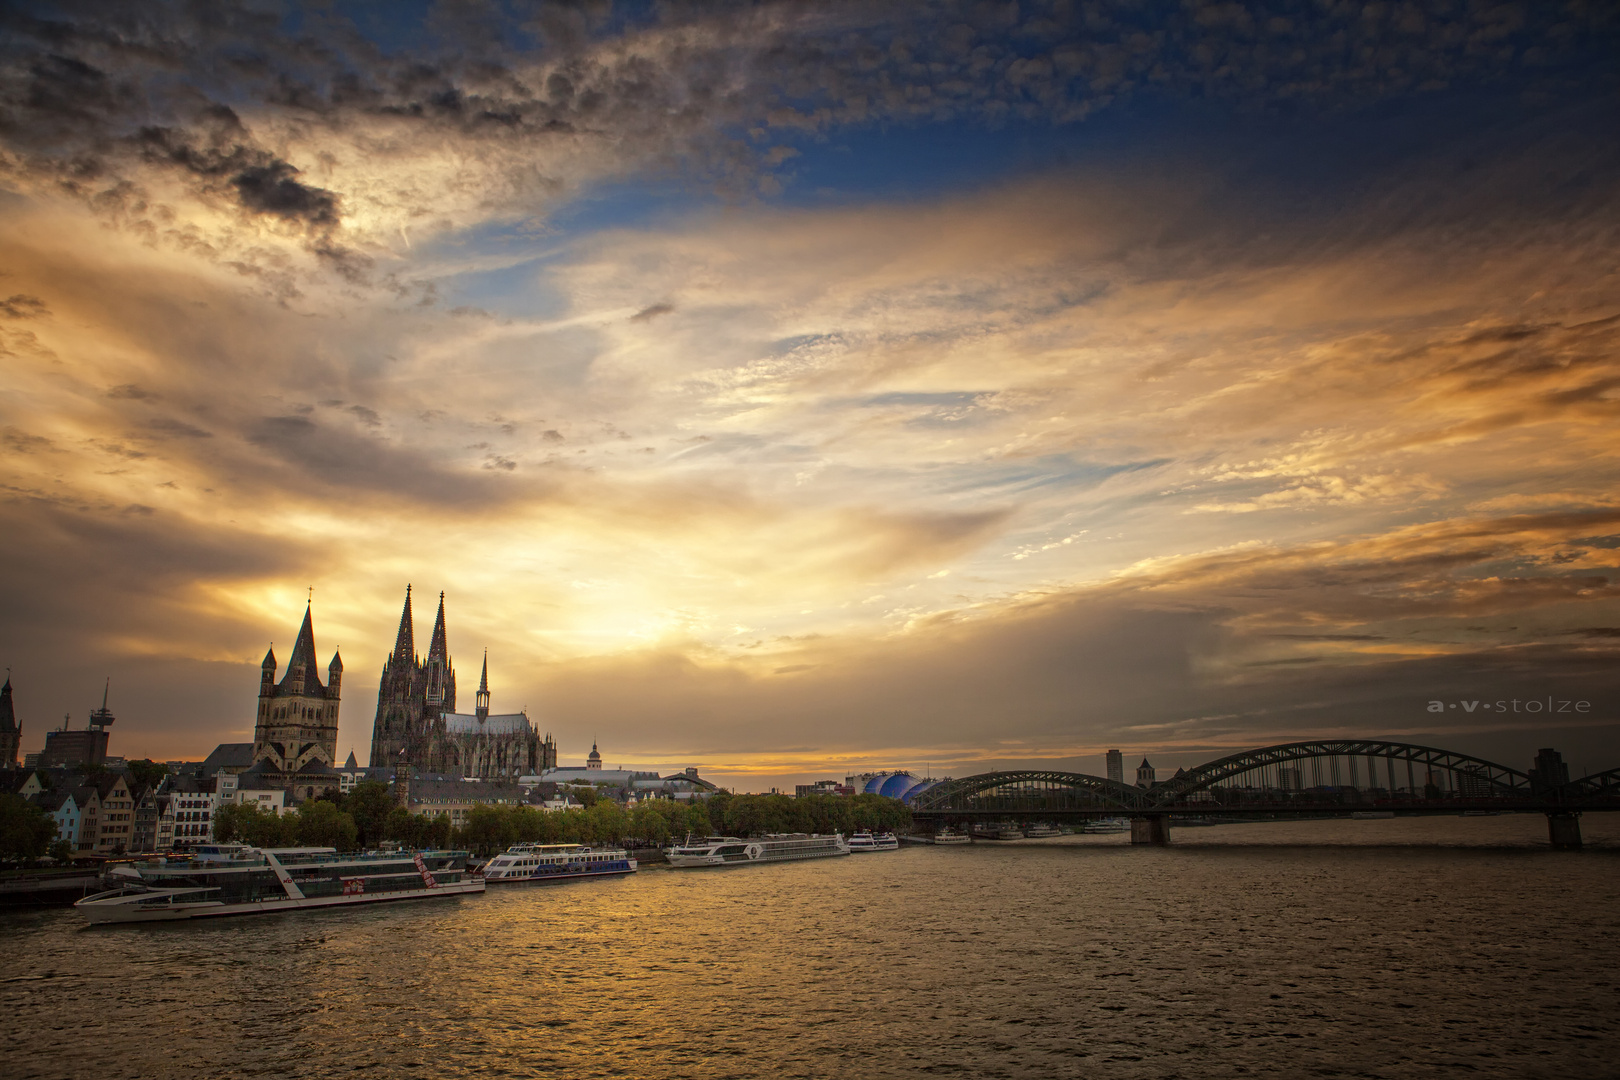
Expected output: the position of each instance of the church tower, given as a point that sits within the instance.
(298, 717)
(10, 730)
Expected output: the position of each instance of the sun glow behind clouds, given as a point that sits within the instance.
(690, 476)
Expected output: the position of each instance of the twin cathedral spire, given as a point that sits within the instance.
(417, 722)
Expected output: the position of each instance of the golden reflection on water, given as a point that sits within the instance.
(1235, 950)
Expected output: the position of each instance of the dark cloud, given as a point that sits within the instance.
(338, 461)
(166, 426)
(22, 306)
(20, 442)
(98, 87)
(648, 314)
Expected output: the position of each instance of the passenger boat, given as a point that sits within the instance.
(865, 841)
(951, 836)
(1107, 825)
(537, 864)
(1041, 832)
(777, 847)
(234, 879)
(998, 832)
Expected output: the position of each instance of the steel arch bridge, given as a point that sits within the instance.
(1312, 778)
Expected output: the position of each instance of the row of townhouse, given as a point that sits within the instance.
(95, 817)
(102, 814)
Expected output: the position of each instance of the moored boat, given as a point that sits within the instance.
(234, 879)
(536, 864)
(1041, 832)
(1107, 825)
(777, 847)
(866, 841)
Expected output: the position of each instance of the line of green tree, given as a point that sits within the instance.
(367, 816)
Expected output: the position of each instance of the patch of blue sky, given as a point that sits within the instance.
(1053, 471)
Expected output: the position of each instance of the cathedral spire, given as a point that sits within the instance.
(439, 650)
(482, 708)
(405, 643)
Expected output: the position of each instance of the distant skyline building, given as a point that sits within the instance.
(10, 730)
(417, 722)
(1549, 771)
(64, 747)
(1116, 766)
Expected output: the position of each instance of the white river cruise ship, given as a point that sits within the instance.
(777, 847)
(233, 879)
(541, 864)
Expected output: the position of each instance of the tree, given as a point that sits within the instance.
(370, 804)
(404, 827)
(697, 818)
(648, 824)
(62, 851)
(489, 829)
(250, 825)
(146, 773)
(321, 824)
(26, 831)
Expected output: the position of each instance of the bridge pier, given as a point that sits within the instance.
(1564, 829)
(1150, 829)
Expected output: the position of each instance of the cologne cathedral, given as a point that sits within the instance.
(417, 722)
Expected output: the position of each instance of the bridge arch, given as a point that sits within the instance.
(1465, 774)
(1602, 785)
(1023, 790)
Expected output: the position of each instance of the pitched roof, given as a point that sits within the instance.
(302, 662)
(228, 755)
(351, 765)
(501, 724)
(51, 801)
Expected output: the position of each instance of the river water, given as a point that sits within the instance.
(1404, 948)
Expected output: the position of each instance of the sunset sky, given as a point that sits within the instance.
(797, 389)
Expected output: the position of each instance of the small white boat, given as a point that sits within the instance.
(950, 836)
(865, 841)
(1107, 825)
(1041, 832)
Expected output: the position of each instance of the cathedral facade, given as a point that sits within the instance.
(417, 722)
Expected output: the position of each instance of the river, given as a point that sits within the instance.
(1404, 948)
